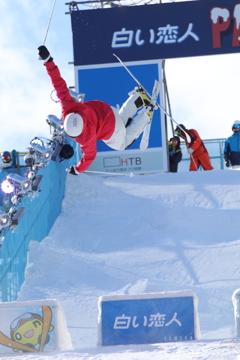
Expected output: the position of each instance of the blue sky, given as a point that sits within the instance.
(24, 85)
(203, 91)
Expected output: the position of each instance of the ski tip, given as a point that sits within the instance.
(117, 57)
(143, 146)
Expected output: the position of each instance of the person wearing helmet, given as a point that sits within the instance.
(6, 157)
(232, 146)
(196, 148)
(89, 121)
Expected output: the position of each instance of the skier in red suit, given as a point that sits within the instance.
(196, 149)
(89, 121)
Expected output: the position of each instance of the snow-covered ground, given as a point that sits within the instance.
(142, 234)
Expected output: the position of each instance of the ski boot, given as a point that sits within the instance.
(150, 109)
(143, 100)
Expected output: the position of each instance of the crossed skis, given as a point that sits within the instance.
(147, 129)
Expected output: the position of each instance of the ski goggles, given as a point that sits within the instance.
(236, 126)
(6, 159)
(178, 131)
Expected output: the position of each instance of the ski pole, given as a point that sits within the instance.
(194, 162)
(157, 104)
(192, 158)
(49, 23)
(139, 84)
(108, 173)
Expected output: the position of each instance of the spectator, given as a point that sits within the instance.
(6, 160)
(232, 146)
(6, 157)
(175, 153)
(196, 149)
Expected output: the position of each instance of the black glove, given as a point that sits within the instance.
(44, 54)
(227, 163)
(72, 170)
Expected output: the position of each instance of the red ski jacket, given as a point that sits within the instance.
(196, 143)
(98, 117)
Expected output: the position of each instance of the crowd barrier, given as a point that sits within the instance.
(215, 149)
(40, 214)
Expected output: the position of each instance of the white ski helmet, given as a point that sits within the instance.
(236, 122)
(73, 125)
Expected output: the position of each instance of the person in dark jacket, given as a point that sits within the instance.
(196, 148)
(232, 146)
(175, 153)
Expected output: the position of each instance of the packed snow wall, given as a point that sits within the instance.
(38, 219)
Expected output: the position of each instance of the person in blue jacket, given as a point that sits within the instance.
(232, 146)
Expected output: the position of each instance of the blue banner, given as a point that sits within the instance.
(159, 31)
(146, 321)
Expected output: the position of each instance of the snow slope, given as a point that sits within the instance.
(142, 234)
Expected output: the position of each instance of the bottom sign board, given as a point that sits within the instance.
(148, 318)
(33, 326)
(129, 161)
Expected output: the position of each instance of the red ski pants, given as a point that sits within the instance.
(196, 161)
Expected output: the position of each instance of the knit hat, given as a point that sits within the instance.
(176, 138)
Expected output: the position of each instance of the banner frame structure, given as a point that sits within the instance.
(150, 33)
(131, 160)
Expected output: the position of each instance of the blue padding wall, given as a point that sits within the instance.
(38, 219)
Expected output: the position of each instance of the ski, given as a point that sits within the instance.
(131, 74)
(47, 318)
(6, 341)
(146, 132)
(234, 167)
(160, 107)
